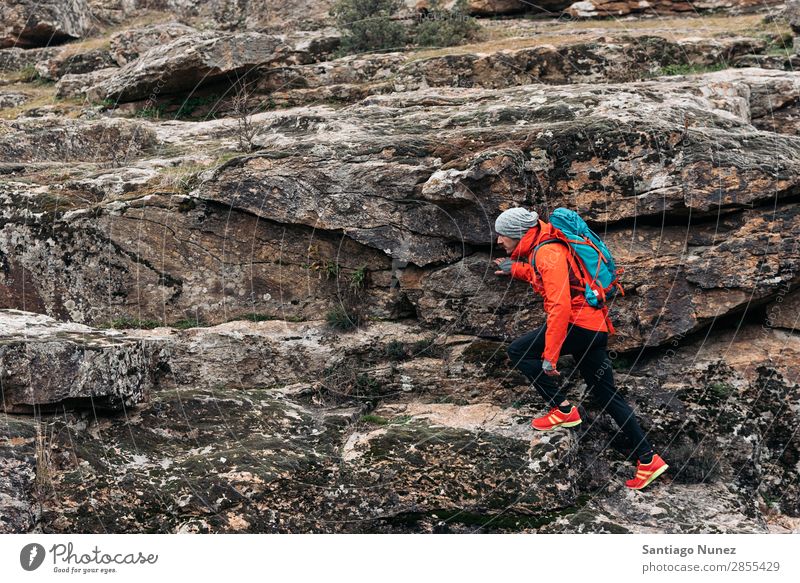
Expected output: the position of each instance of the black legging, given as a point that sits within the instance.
(589, 349)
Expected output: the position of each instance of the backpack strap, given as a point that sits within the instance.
(580, 276)
(611, 329)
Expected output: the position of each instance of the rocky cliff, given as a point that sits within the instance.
(247, 285)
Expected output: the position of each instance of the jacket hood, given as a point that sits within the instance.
(532, 238)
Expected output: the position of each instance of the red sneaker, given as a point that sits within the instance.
(555, 418)
(646, 473)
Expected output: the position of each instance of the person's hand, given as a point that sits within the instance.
(549, 369)
(503, 266)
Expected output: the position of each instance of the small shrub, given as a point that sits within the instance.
(358, 279)
(187, 182)
(349, 313)
(721, 390)
(106, 103)
(187, 106)
(374, 419)
(28, 74)
(426, 347)
(247, 129)
(368, 26)
(151, 112)
(267, 104)
(365, 385)
(343, 381)
(395, 350)
(343, 318)
(438, 27)
(332, 270)
(781, 43)
(769, 500)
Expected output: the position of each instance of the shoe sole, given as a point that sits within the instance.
(570, 424)
(656, 474)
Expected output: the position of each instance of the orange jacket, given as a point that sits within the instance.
(553, 262)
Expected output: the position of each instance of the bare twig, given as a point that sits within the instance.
(247, 130)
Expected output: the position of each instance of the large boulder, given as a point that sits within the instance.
(78, 277)
(603, 150)
(78, 84)
(114, 12)
(45, 139)
(46, 364)
(127, 45)
(15, 59)
(29, 23)
(69, 62)
(593, 153)
(8, 100)
(188, 62)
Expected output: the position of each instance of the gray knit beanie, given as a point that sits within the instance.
(515, 222)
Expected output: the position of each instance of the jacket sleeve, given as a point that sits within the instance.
(551, 261)
(522, 270)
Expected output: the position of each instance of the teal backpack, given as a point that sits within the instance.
(599, 273)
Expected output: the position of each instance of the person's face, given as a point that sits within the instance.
(508, 243)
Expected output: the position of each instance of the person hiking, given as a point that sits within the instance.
(572, 327)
